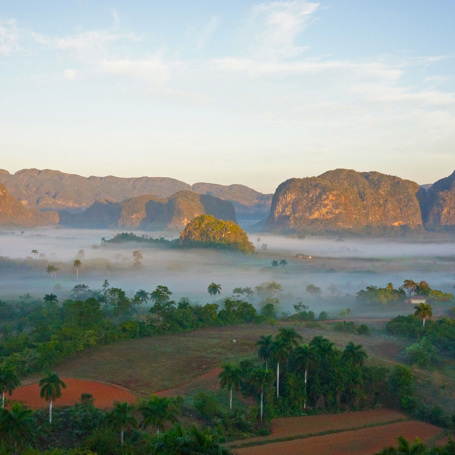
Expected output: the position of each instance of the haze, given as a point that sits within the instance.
(339, 267)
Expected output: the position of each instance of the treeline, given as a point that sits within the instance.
(435, 337)
(148, 428)
(39, 335)
(409, 288)
(294, 378)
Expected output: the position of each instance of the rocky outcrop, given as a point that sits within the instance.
(439, 205)
(13, 213)
(150, 212)
(206, 231)
(345, 201)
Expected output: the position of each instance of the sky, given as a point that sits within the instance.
(228, 91)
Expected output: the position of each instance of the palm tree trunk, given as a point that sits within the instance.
(230, 399)
(306, 377)
(262, 402)
(423, 322)
(121, 438)
(50, 411)
(278, 380)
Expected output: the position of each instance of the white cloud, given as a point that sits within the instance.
(152, 71)
(282, 23)
(9, 37)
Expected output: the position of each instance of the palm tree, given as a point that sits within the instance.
(261, 378)
(281, 350)
(214, 289)
(265, 348)
(9, 380)
(35, 252)
(77, 263)
(51, 388)
(230, 377)
(142, 295)
(121, 418)
(52, 271)
(16, 426)
(157, 411)
(248, 291)
(290, 336)
(303, 357)
(354, 354)
(424, 311)
(50, 298)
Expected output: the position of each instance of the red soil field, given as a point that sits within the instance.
(104, 394)
(295, 426)
(359, 442)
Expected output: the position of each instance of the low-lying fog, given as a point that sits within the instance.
(337, 267)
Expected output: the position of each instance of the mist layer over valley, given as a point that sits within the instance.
(340, 268)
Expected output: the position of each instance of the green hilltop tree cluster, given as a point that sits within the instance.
(374, 294)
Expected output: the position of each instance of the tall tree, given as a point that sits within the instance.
(9, 380)
(303, 357)
(52, 271)
(142, 295)
(264, 344)
(51, 389)
(77, 264)
(354, 354)
(50, 298)
(423, 311)
(281, 350)
(261, 378)
(214, 289)
(16, 427)
(230, 377)
(121, 418)
(410, 286)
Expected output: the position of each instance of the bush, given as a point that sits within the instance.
(363, 329)
(206, 405)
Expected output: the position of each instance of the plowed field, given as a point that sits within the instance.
(104, 394)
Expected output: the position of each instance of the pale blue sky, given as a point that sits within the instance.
(228, 91)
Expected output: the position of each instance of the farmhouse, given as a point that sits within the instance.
(417, 299)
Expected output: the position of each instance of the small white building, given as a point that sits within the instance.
(417, 299)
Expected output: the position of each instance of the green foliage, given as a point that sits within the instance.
(206, 405)
(387, 295)
(421, 353)
(206, 231)
(401, 386)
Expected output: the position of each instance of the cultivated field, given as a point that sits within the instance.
(358, 441)
(103, 394)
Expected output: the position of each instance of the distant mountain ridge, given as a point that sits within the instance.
(337, 201)
(54, 190)
(150, 212)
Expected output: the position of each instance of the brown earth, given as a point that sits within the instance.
(362, 442)
(104, 394)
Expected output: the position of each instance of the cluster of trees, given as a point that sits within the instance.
(296, 378)
(143, 429)
(438, 334)
(416, 447)
(282, 262)
(374, 294)
(41, 334)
